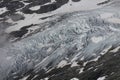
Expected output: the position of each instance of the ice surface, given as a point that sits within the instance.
(80, 36)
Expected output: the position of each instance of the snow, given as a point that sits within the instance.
(35, 8)
(82, 58)
(29, 19)
(81, 70)
(25, 78)
(44, 79)
(31, 30)
(3, 10)
(85, 63)
(34, 77)
(105, 50)
(67, 8)
(74, 79)
(96, 59)
(101, 78)
(62, 64)
(115, 50)
(74, 64)
(96, 39)
(80, 6)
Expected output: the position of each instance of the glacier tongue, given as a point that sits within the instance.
(79, 35)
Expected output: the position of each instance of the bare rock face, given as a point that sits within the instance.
(76, 0)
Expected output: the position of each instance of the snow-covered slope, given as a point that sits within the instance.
(32, 11)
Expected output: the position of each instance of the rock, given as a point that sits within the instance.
(76, 0)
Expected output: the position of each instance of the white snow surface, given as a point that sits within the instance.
(115, 50)
(3, 10)
(101, 78)
(25, 77)
(74, 79)
(35, 8)
(74, 64)
(62, 64)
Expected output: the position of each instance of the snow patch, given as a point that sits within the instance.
(81, 70)
(82, 58)
(3, 10)
(74, 79)
(96, 59)
(115, 50)
(35, 8)
(25, 78)
(44, 79)
(62, 64)
(105, 50)
(74, 64)
(101, 78)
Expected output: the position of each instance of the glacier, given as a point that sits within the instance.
(83, 34)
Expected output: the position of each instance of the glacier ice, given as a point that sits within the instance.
(71, 38)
